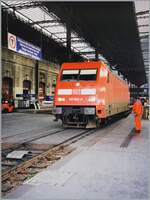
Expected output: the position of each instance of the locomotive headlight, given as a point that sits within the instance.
(92, 99)
(89, 111)
(60, 99)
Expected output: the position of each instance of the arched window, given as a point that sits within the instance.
(41, 90)
(7, 87)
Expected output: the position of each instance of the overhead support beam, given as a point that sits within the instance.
(144, 32)
(144, 50)
(88, 52)
(51, 26)
(142, 12)
(63, 38)
(143, 17)
(60, 32)
(144, 36)
(77, 41)
(44, 22)
(68, 37)
(144, 25)
(81, 47)
(20, 6)
(36, 78)
(74, 41)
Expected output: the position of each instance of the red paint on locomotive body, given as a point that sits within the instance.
(91, 84)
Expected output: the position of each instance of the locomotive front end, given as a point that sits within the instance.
(75, 96)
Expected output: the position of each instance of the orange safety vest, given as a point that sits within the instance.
(137, 108)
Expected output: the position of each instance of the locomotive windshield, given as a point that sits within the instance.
(79, 75)
(87, 74)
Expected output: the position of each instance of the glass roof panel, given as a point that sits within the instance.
(38, 16)
(14, 3)
(57, 29)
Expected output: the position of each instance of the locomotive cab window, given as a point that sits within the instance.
(88, 74)
(69, 75)
(79, 75)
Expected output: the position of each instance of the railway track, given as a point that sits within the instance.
(38, 159)
(35, 161)
(36, 134)
(24, 145)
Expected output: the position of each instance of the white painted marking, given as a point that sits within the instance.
(92, 99)
(17, 154)
(88, 91)
(64, 91)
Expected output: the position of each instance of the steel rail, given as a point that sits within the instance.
(14, 176)
(23, 166)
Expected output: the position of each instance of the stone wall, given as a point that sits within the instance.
(20, 68)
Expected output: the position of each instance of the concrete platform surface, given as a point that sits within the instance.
(19, 123)
(99, 169)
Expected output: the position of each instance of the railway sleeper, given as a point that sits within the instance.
(40, 165)
(53, 158)
(32, 171)
(20, 177)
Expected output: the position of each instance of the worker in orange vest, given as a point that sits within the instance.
(137, 111)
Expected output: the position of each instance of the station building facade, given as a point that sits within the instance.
(19, 77)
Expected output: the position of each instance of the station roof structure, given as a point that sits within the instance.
(142, 16)
(110, 28)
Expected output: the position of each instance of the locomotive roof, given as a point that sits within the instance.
(88, 64)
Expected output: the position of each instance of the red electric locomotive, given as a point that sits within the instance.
(88, 93)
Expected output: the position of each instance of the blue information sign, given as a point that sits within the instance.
(21, 46)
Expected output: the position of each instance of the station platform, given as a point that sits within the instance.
(105, 165)
(40, 111)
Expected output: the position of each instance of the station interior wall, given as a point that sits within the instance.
(20, 68)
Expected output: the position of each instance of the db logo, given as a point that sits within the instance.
(11, 42)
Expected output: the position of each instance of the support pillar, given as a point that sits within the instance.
(68, 42)
(96, 54)
(36, 79)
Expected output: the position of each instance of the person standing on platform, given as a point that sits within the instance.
(137, 111)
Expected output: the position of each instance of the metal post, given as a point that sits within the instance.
(68, 41)
(36, 79)
(96, 54)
